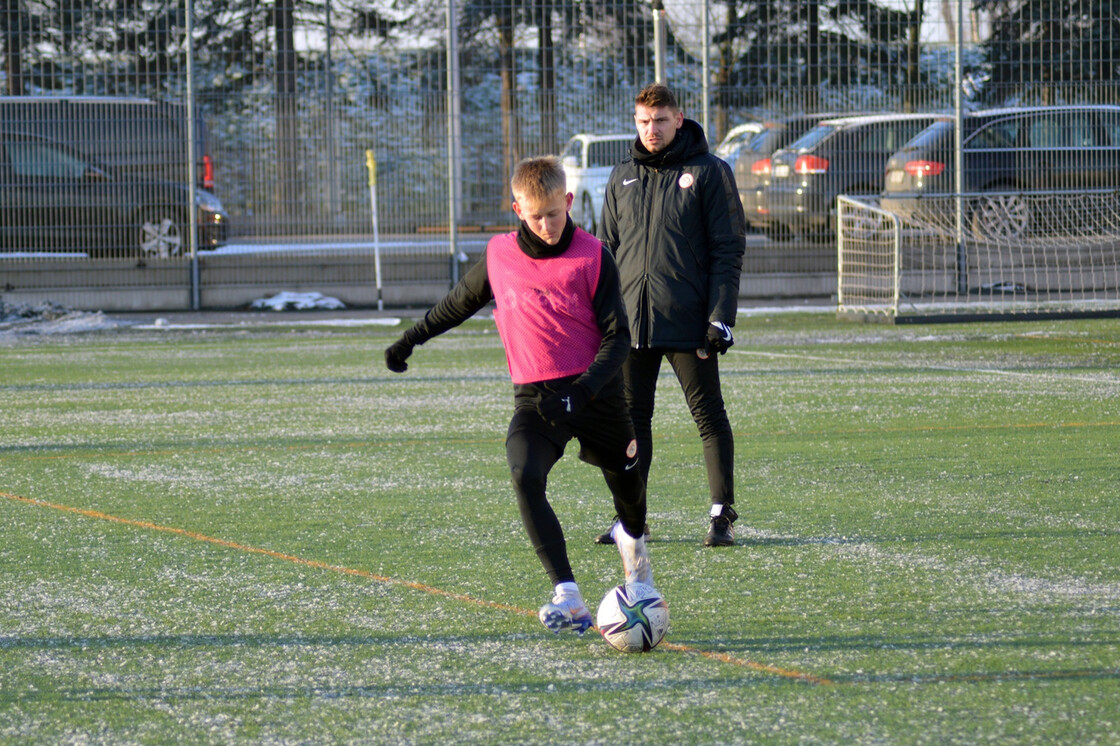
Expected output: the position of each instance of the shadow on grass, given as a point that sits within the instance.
(818, 645)
(743, 647)
(747, 540)
(242, 641)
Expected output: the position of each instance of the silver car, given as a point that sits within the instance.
(588, 161)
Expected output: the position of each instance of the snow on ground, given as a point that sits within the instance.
(22, 320)
(50, 318)
(288, 300)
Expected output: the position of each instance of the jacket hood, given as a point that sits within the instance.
(689, 142)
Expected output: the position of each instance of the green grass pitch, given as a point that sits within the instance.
(257, 534)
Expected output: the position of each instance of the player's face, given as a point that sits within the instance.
(545, 217)
(657, 126)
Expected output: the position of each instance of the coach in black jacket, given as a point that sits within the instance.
(673, 220)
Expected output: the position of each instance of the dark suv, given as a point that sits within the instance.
(135, 136)
(838, 156)
(752, 167)
(54, 198)
(1008, 155)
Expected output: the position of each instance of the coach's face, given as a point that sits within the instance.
(657, 126)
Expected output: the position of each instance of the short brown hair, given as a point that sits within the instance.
(656, 95)
(538, 178)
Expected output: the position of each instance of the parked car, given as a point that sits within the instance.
(1008, 153)
(135, 136)
(588, 160)
(731, 146)
(837, 156)
(752, 167)
(54, 198)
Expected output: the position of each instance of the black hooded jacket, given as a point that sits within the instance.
(674, 222)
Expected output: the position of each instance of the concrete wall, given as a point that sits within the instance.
(236, 280)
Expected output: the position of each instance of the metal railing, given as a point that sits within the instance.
(447, 97)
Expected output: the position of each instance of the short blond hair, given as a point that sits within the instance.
(538, 178)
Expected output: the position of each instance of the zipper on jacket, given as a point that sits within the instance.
(647, 315)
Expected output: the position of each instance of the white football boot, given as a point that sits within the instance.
(566, 611)
(635, 557)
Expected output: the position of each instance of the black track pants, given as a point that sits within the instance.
(699, 379)
(606, 439)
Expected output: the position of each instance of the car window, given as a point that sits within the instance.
(931, 135)
(33, 160)
(572, 149)
(765, 141)
(813, 137)
(876, 136)
(733, 143)
(887, 136)
(607, 153)
(999, 135)
(1112, 130)
(903, 132)
(1063, 130)
(1044, 133)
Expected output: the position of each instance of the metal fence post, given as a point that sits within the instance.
(192, 166)
(958, 155)
(706, 72)
(454, 168)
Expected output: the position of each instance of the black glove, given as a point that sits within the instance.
(396, 354)
(561, 406)
(718, 338)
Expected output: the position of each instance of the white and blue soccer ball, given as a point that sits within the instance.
(633, 618)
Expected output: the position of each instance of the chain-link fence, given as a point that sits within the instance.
(292, 102)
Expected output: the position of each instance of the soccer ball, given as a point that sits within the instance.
(633, 618)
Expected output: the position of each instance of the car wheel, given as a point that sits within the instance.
(587, 213)
(162, 234)
(1001, 217)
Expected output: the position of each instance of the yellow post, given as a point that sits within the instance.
(371, 166)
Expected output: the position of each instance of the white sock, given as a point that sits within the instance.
(568, 589)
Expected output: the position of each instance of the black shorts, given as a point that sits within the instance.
(603, 428)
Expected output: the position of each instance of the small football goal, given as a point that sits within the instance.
(983, 256)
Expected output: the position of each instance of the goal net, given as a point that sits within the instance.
(1009, 254)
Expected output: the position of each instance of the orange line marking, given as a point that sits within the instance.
(266, 552)
(754, 665)
(722, 657)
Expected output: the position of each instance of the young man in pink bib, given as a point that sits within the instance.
(560, 315)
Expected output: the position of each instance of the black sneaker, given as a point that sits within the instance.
(608, 539)
(721, 532)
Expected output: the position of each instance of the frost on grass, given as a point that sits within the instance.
(967, 572)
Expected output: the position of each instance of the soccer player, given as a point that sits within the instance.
(563, 325)
(674, 223)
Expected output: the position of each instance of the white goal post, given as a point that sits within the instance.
(1012, 255)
